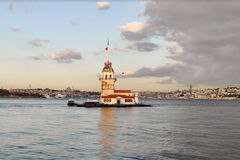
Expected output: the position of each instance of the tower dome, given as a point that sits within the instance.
(108, 67)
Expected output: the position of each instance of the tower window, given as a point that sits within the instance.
(105, 76)
(110, 76)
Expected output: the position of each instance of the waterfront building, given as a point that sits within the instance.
(109, 95)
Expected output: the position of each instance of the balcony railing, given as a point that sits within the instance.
(102, 79)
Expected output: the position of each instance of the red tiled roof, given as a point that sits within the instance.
(117, 95)
(122, 91)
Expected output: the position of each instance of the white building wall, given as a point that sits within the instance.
(114, 101)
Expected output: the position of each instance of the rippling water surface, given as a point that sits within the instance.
(171, 129)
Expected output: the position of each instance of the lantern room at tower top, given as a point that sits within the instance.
(109, 95)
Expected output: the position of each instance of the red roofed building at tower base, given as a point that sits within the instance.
(109, 95)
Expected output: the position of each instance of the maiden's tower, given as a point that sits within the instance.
(109, 95)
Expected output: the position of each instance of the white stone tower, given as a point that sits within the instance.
(136, 98)
(107, 77)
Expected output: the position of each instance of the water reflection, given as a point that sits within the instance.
(108, 131)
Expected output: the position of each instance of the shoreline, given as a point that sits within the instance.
(18, 97)
(140, 98)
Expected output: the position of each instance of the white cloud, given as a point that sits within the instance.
(139, 31)
(123, 73)
(207, 34)
(173, 44)
(11, 6)
(46, 40)
(173, 70)
(144, 46)
(39, 57)
(65, 56)
(74, 23)
(16, 29)
(134, 27)
(146, 1)
(129, 43)
(139, 46)
(167, 81)
(122, 50)
(103, 5)
(99, 52)
(128, 7)
(167, 55)
(37, 42)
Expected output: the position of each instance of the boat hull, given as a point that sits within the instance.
(71, 104)
(109, 106)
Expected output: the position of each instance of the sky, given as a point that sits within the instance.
(159, 45)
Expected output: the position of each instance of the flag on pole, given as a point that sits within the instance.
(106, 48)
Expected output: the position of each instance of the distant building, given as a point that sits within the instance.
(191, 90)
(68, 89)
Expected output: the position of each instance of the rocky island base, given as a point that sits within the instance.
(96, 104)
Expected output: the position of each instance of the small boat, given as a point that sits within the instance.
(70, 102)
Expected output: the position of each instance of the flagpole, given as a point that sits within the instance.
(108, 51)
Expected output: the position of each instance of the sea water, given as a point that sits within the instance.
(170, 129)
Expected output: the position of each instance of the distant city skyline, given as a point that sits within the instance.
(158, 45)
(229, 93)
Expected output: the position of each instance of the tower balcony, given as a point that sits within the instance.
(106, 79)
